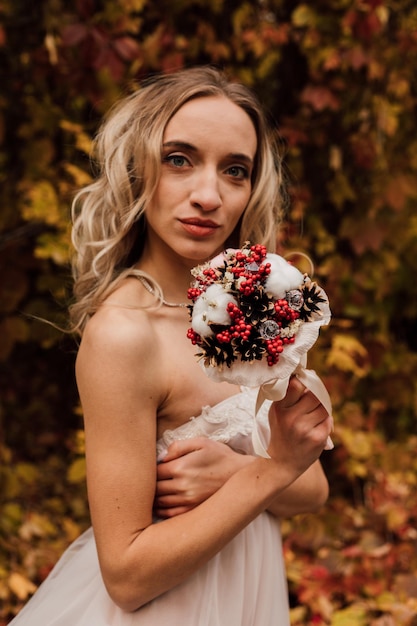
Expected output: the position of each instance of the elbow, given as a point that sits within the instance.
(126, 591)
(322, 495)
(123, 597)
(326, 493)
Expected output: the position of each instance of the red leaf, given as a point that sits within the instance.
(320, 98)
(127, 48)
(73, 34)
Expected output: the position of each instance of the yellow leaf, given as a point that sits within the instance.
(13, 512)
(387, 115)
(71, 529)
(76, 472)
(51, 246)
(241, 17)
(79, 176)
(83, 142)
(4, 589)
(21, 586)
(358, 443)
(348, 355)
(385, 601)
(340, 189)
(351, 615)
(79, 442)
(298, 615)
(303, 16)
(42, 204)
(27, 472)
(37, 526)
(396, 517)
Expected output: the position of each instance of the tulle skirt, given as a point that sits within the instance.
(243, 585)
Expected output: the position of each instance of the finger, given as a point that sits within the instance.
(164, 487)
(169, 501)
(172, 512)
(295, 391)
(309, 403)
(323, 428)
(181, 447)
(165, 471)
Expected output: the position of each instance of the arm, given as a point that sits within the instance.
(194, 469)
(120, 397)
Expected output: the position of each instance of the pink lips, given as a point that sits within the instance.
(199, 227)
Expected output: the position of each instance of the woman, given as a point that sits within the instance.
(187, 167)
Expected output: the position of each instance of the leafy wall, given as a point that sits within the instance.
(338, 77)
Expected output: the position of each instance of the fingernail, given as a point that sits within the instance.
(329, 444)
(161, 456)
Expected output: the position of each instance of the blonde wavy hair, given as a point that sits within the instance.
(109, 226)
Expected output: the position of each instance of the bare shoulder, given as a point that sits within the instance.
(121, 325)
(119, 329)
(118, 343)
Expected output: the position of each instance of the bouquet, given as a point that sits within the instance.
(254, 316)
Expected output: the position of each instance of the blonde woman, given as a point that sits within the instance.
(185, 517)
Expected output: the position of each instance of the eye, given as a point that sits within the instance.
(176, 160)
(238, 171)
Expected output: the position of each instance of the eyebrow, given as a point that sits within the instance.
(184, 145)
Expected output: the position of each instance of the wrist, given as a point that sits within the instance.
(267, 477)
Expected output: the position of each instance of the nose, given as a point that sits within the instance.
(205, 194)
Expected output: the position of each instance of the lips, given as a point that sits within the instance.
(199, 227)
(195, 221)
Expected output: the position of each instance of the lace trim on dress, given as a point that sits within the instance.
(229, 420)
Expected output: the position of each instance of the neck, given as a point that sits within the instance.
(172, 274)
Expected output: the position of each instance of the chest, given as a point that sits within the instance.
(187, 389)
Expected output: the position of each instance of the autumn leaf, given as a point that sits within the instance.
(21, 586)
(349, 355)
(338, 83)
(42, 203)
(77, 471)
(351, 615)
(303, 16)
(320, 98)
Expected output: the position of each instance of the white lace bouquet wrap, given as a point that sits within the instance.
(254, 316)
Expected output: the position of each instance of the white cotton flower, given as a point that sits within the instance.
(211, 308)
(283, 276)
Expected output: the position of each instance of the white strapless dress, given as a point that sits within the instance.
(243, 585)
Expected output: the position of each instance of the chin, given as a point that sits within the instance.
(201, 252)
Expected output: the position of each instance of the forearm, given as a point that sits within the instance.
(180, 491)
(164, 554)
(307, 494)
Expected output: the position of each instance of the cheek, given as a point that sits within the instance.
(242, 204)
(162, 199)
(169, 191)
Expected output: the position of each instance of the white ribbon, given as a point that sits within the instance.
(276, 390)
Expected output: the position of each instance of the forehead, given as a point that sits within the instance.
(213, 120)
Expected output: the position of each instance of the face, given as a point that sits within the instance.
(208, 155)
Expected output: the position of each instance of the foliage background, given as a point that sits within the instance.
(338, 77)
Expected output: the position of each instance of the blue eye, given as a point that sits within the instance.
(237, 171)
(176, 160)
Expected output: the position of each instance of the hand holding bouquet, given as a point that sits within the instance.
(254, 317)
